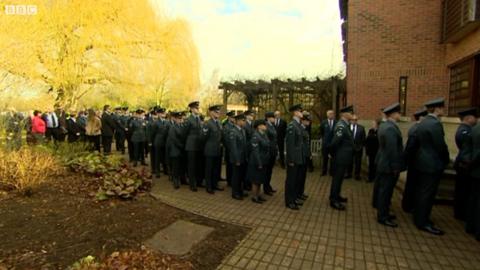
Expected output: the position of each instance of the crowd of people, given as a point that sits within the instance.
(191, 149)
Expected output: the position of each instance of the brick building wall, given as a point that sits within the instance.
(392, 38)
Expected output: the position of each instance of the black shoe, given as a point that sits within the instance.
(135, 164)
(144, 164)
(256, 200)
(200, 185)
(392, 217)
(210, 191)
(223, 179)
(219, 188)
(245, 194)
(293, 206)
(298, 202)
(432, 230)
(348, 176)
(176, 186)
(388, 223)
(157, 175)
(323, 174)
(342, 199)
(194, 189)
(237, 197)
(304, 197)
(337, 206)
(260, 198)
(358, 178)
(273, 190)
(269, 193)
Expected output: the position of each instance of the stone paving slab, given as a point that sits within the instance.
(179, 237)
(318, 237)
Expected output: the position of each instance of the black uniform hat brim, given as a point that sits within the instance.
(435, 103)
(469, 111)
(297, 107)
(392, 108)
(347, 109)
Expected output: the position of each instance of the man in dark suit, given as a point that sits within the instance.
(227, 125)
(411, 148)
(237, 156)
(295, 157)
(120, 135)
(461, 165)
(473, 215)
(73, 128)
(326, 132)
(175, 147)
(390, 162)
(281, 127)
(272, 137)
(359, 137)
(212, 137)
(108, 129)
(193, 145)
(158, 138)
(341, 149)
(430, 161)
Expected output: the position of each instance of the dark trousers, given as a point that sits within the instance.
(325, 159)
(193, 168)
(356, 166)
(176, 170)
(337, 181)
(213, 166)
(425, 197)
(300, 186)
(376, 187)
(131, 155)
(294, 173)
(120, 142)
(281, 150)
(94, 142)
(386, 182)
(52, 133)
(154, 160)
(238, 177)
(267, 187)
(473, 213)
(107, 144)
(372, 168)
(408, 199)
(163, 160)
(228, 167)
(138, 155)
(462, 194)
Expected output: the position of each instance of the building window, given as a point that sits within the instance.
(402, 94)
(464, 85)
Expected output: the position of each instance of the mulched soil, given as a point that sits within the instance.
(62, 223)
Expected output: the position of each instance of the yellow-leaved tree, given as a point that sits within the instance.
(97, 51)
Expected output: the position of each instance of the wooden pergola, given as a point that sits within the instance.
(316, 95)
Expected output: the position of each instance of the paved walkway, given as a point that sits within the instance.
(317, 237)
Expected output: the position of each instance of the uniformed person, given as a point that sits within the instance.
(139, 137)
(249, 130)
(463, 179)
(237, 155)
(227, 125)
(212, 137)
(193, 145)
(430, 161)
(306, 122)
(129, 117)
(272, 137)
(158, 137)
(258, 159)
(295, 157)
(411, 148)
(341, 149)
(175, 148)
(390, 162)
(120, 135)
(473, 215)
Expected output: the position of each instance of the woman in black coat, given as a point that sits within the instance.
(371, 146)
(259, 159)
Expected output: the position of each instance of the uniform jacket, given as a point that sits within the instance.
(295, 143)
(108, 124)
(342, 144)
(326, 132)
(212, 137)
(175, 140)
(371, 142)
(260, 150)
(236, 144)
(359, 138)
(432, 155)
(73, 129)
(390, 157)
(227, 125)
(462, 138)
(281, 128)
(159, 132)
(138, 129)
(120, 125)
(411, 147)
(249, 130)
(193, 127)
(306, 146)
(272, 137)
(475, 156)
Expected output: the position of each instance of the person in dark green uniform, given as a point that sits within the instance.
(430, 161)
(237, 155)
(306, 122)
(341, 149)
(411, 148)
(158, 137)
(175, 147)
(212, 138)
(468, 118)
(295, 157)
(139, 137)
(259, 157)
(473, 215)
(150, 123)
(119, 130)
(249, 130)
(227, 125)
(193, 145)
(390, 162)
(272, 137)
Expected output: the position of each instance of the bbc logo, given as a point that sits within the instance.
(21, 9)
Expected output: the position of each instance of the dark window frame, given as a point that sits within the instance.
(464, 85)
(403, 93)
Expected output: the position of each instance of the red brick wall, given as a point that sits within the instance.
(392, 38)
(468, 46)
